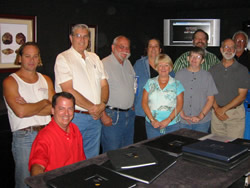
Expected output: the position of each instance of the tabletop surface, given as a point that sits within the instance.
(182, 174)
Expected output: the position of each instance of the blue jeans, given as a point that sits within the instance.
(121, 133)
(202, 127)
(155, 132)
(21, 146)
(91, 133)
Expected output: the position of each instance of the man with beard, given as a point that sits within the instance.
(242, 54)
(200, 39)
(118, 118)
(81, 73)
(232, 81)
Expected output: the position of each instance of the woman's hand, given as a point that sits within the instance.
(156, 124)
(195, 119)
(164, 123)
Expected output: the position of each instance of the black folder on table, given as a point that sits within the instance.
(132, 157)
(218, 164)
(171, 143)
(147, 174)
(215, 149)
(242, 141)
(91, 176)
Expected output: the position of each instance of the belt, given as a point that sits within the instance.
(117, 109)
(33, 128)
(81, 112)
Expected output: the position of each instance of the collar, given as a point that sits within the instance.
(234, 65)
(77, 53)
(59, 129)
(115, 60)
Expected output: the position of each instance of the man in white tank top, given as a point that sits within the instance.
(27, 95)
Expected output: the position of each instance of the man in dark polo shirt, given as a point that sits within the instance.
(232, 81)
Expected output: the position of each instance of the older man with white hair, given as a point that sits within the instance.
(242, 54)
(118, 119)
(232, 81)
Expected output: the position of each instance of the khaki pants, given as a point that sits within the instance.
(233, 127)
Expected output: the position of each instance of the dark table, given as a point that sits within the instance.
(182, 174)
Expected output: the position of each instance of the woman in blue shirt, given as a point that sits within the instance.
(145, 69)
(162, 100)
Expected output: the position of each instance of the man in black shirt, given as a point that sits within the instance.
(242, 54)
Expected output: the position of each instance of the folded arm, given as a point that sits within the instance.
(19, 106)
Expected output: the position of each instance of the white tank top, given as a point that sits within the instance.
(32, 93)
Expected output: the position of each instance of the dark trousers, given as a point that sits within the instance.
(140, 129)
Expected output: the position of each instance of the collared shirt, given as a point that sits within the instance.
(198, 86)
(162, 102)
(86, 74)
(209, 61)
(54, 148)
(121, 82)
(229, 80)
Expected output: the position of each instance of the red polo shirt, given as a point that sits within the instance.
(54, 148)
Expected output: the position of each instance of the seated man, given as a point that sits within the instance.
(60, 142)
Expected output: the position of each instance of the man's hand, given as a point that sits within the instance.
(96, 110)
(220, 111)
(106, 119)
(222, 118)
(20, 100)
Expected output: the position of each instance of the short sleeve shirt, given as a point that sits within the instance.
(229, 80)
(198, 86)
(54, 148)
(86, 74)
(121, 80)
(163, 101)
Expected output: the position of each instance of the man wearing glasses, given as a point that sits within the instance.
(118, 118)
(81, 73)
(232, 81)
(242, 54)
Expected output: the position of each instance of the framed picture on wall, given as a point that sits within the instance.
(14, 31)
(92, 47)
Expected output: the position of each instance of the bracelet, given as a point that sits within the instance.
(203, 114)
(170, 119)
(151, 120)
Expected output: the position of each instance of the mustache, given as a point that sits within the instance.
(124, 53)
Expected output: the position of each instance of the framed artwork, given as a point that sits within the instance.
(14, 31)
(92, 39)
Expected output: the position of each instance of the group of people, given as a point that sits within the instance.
(104, 102)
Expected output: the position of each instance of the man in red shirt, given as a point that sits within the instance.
(60, 142)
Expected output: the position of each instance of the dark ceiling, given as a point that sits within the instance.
(180, 4)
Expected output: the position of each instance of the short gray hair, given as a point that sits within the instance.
(118, 37)
(240, 32)
(79, 26)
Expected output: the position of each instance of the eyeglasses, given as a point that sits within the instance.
(229, 47)
(153, 46)
(240, 40)
(78, 36)
(196, 57)
(123, 47)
